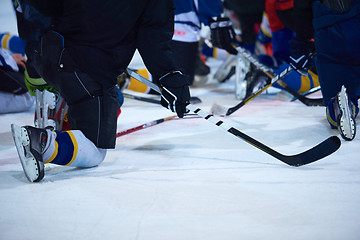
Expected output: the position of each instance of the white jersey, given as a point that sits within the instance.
(186, 32)
(190, 15)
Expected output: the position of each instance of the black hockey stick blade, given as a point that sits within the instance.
(302, 98)
(318, 152)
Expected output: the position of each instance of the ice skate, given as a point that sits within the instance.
(50, 110)
(242, 69)
(123, 81)
(255, 80)
(344, 115)
(30, 143)
(226, 70)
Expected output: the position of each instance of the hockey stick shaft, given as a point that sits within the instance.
(321, 150)
(193, 100)
(144, 99)
(145, 125)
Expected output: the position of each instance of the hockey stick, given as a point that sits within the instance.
(145, 125)
(193, 100)
(222, 111)
(319, 151)
(305, 100)
(144, 99)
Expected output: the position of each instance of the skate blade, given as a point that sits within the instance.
(28, 161)
(346, 123)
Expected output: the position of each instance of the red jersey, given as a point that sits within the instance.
(271, 6)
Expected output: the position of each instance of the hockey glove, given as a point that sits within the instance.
(223, 34)
(33, 81)
(300, 55)
(175, 94)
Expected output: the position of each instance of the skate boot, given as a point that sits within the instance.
(242, 69)
(30, 143)
(123, 81)
(345, 114)
(255, 81)
(226, 70)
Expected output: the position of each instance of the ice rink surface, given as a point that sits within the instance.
(188, 179)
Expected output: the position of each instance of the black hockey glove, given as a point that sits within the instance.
(223, 34)
(175, 94)
(301, 51)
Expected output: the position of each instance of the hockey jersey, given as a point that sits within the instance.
(190, 14)
(272, 6)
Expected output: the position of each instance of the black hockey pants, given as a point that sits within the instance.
(92, 108)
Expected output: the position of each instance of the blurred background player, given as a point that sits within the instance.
(190, 15)
(272, 50)
(279, 15)
(334, 26)
(249, 14)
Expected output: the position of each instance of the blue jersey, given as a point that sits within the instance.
(204, 9)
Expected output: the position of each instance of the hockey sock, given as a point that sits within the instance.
(12, 43)
(72, 148)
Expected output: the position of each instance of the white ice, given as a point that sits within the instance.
(188, 179)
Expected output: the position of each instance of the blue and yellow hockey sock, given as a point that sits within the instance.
(72, 148)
